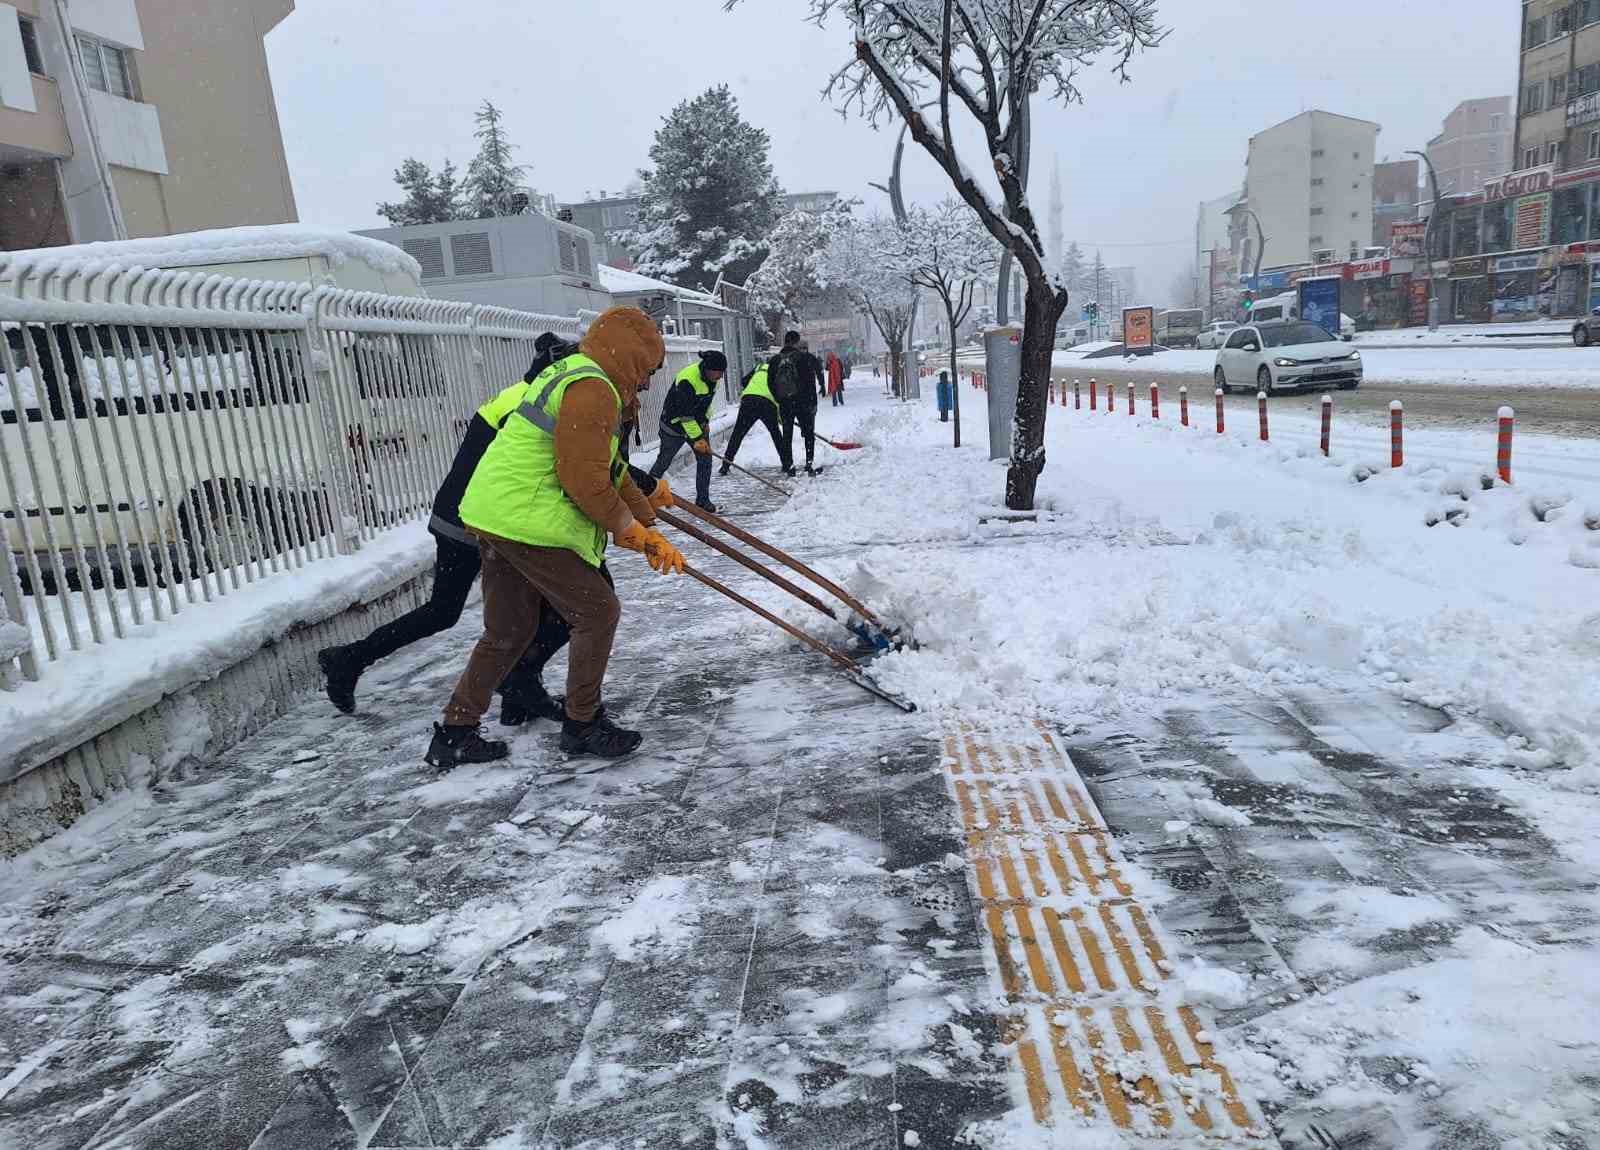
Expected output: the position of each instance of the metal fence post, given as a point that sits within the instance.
(317, 352)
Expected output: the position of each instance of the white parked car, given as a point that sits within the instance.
(1214, 334)
(1286, 354)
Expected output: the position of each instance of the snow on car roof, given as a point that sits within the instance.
(232, 245)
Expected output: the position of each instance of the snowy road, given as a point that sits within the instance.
(1328, 790)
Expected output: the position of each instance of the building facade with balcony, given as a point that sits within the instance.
(129, 118)
(1394, 197)
(1474, 145)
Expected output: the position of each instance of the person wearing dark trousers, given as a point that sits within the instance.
(686, 418)
(756, 405)
(456, 566)
(836, 379)
(797, 379)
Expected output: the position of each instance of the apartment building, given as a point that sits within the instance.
(1475, 145)
(1394, 197)
(1309, 182)
(128, 118)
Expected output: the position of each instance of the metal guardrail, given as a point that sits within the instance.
(167, 438)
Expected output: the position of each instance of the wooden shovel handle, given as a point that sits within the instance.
(818, 645)
(744, 560)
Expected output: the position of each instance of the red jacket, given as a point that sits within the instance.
(835, 374)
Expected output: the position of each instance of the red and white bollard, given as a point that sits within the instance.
(1155, 401)
(1130, 399)
(1077, 396)
(1397, 448)
(1261, 406)
(1094, 394)
(1183, 406)
(1220, 424)
(1502, 461)
(1327, 421)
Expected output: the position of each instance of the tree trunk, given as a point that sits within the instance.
(955, 377)
(1041, 309)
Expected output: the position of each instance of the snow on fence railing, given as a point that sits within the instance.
(168, 437)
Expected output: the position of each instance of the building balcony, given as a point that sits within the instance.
(130, 133)
(37, 135)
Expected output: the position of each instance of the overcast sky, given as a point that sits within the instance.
(363, 84)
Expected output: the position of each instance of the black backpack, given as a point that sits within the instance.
(786, 375)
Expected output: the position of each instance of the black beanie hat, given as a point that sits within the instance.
(713, 361)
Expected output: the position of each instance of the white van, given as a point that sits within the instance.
(149, 448)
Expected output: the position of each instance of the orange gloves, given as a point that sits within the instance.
(702, 446)
(662, 556)
(661, 497)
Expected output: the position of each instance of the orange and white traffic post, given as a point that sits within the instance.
(1397, 448)
(1219, 411)
(1261, 406)
(1094, 394)
(1077, 396)
(1502, 463)
(1327, 421)
(1155, 400)
(1183, 406)
(1130, 399)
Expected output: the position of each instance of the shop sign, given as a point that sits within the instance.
(1367, 269)
(1532, 222)
(1520, 183)
(1524, 263)
(1465, 269)
(1585, 109)
(1138, 328)
(1406, 239)
(1419, 302)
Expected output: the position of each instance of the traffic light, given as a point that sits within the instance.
(1248, 304)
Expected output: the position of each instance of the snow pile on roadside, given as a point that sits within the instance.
(1168, 561)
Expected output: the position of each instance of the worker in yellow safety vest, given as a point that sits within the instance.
(541, 502)
(686, 418)
(757, 404)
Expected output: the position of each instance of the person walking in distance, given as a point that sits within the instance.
(796, 378)
(835, 379)
(547, 492)
(686, 418)
(756, 405)
(455, 569)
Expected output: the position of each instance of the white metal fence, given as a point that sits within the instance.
(167, 438)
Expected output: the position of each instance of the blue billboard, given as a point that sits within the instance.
(1319, 302)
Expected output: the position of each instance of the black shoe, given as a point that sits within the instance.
(789, 471)
(723, 470)
(453, 746)
(342, 670)
(810, 470)
(600, 737)
(706, 505)
(534, 702)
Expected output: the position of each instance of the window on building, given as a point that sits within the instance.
(1315, 240)
(1561, 20)
(1594, 145)
(1558, 90)
(1552, 152)
(1316, 181)
(30, 46)
(1498, 225)
(1355, 215)
(1496, 119)
(1316, 211)
(1315, 153)
(1533, 99)
(106, 67)
(1589, 11)
(1538, 32)
(1464, 239)
(1570, 209)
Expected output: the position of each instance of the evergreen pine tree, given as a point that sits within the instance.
(494, 182)
(447, 193)
(429, 198)
(1072, 270)
(710, 199)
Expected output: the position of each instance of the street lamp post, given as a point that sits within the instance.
(1427, 240)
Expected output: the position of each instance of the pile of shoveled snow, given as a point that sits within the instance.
(1166, 560)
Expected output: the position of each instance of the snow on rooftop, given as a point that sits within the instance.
(234, 245)
(616, 281)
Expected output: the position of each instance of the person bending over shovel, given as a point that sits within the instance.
(541, 502)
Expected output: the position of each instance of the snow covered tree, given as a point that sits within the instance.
(927, 61)
(431, 198)
(710, 200)
(948, 250)
(869, 260)
(795, 271)
(495, 183)
(1185, 290)
(1072, 267)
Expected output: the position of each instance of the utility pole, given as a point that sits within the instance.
(1427, 240)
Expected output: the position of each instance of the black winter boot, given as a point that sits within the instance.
(521, 703)
(600, 737)
(342, 669)
(452, 746)
(724, 469)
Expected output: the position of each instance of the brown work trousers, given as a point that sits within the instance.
(517, 579)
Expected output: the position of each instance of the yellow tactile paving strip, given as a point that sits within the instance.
(1099, 1030)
